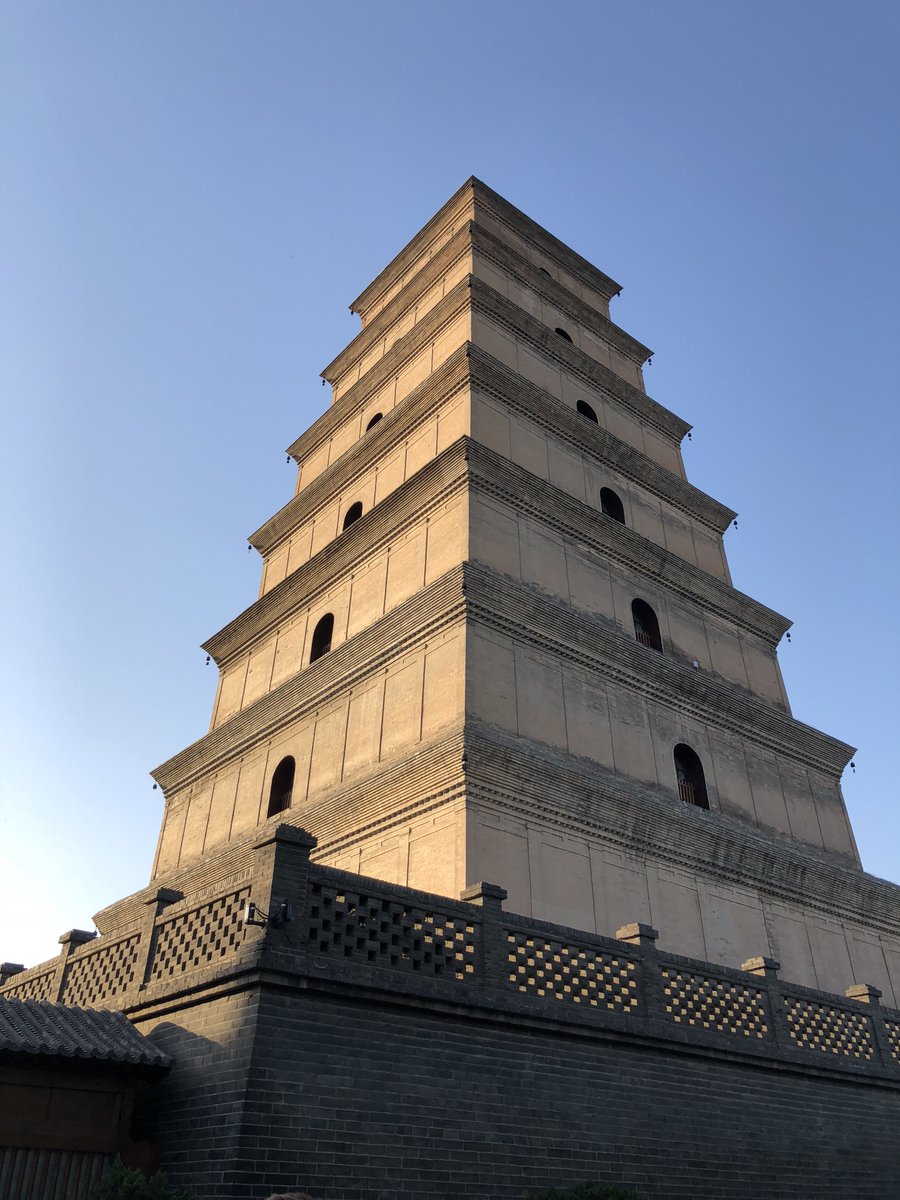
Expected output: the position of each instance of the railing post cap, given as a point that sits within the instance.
(164, 895)
(866, 992)
(761, 965)
(290, 834)
(7, 969)
(637, 934)
(77, 937)
(477, 893)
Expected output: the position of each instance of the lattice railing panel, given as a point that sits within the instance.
(199, 938)
(893, 1035)
(35, 987)
(583, 975)
(101, 974)
(829, 1030)
(722, 1005)
(368, 928)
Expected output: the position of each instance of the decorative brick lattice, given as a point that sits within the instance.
(199, 938)
(829, 1030)
(101, 974)
(35, 987)
(717, 1004)
(893, 1033)
(539, 967)
(370, 929)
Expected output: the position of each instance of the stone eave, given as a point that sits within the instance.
(470, 366)
(489, 303)
(526, 778)
(473, 191)
(417, 620)
(558, 510)
(449, 254)
(524, 612)
(471, 238)
(504, 256)
(486, 301)
(429, 489)
(558, 419)
(403, 350)
(431, 776)
(451, 377)
(493, 475)
(418, 245)
(571, 261)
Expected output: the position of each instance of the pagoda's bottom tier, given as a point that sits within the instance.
(576, 844)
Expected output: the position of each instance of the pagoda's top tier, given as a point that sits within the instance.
(476, 202)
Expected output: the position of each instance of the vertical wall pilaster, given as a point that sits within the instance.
(154, 906)
(494, 959)
(281, 885)
(651, 984)
(865, 993)
(71, 940)
(767, 969)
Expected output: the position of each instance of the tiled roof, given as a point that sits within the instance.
(36, 1028)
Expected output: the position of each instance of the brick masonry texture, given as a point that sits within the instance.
(355, 1098)
(488, 711)
(388, 1044)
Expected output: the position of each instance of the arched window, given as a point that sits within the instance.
(353, 513)
(321, 638)
(586, 411)
(562, 333)
(611, 505)
(282, 787)
(691, 780)
(374, 421)
(646, 626)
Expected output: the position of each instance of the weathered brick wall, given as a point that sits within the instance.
(357, 1099)
(378, 1043)
(196, 1115)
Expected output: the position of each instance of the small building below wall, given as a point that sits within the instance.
(68, 1078)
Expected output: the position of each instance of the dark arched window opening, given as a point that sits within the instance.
(646, 626)
(586, 411)
(562, 333)
(691, 780)
(374, 421)
(282, 787)
(353, 513)
(611, 505)
(321, 638)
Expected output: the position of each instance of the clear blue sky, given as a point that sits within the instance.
(193, 192)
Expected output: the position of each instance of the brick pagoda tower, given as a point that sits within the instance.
(496, 639)
(537, 669)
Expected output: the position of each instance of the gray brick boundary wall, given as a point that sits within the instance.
(366, 1041)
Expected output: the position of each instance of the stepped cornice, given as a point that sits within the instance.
(456, 302)
(531, 779)
(529, 615)
(598, 443)
(451, 377)
(405, 628)
(480, 297)
(475, 193)
(491, 475)
(429, 489)
(551, 506)
(473, 238)
(505, 257)
(468, 365)
(490, 303)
